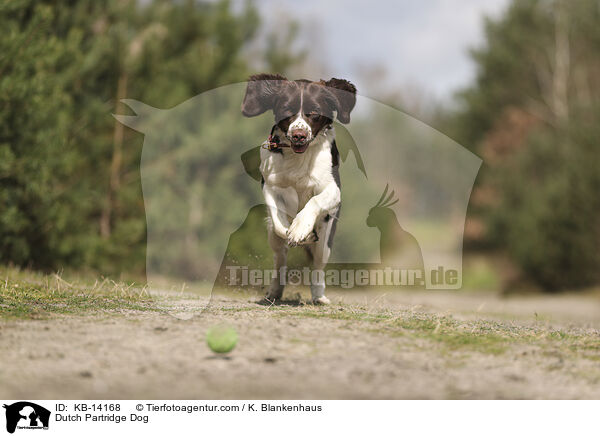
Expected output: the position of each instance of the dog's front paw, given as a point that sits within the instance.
(321, 301)
(301, 230)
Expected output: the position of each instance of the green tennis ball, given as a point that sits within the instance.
(221, 338)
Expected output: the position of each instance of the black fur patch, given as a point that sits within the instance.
(335, 170)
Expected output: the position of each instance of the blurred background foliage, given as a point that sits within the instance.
(70, 192)
(70, 187)
(532, 116)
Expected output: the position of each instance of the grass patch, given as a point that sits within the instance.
(444, 330)
(489, 344)
(483, 336)
(33, 295)
(451, 334)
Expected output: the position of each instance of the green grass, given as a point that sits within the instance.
(444, 330)
(481, 336)
(30, 295)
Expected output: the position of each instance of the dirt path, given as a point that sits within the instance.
(409, 345)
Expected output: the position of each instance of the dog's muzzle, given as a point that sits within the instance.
(299, 133)
(300, 139)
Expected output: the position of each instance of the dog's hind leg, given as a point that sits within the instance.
(280, 249)
(321, 251)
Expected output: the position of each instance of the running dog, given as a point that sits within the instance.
(300, 167)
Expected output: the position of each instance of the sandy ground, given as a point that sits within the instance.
(301, 351)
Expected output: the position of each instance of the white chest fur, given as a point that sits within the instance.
(306, 173)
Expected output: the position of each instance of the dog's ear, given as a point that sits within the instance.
(345, 94)
(260, 93)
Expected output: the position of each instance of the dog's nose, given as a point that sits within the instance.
(298, 135)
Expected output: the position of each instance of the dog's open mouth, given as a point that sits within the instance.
(300, 147)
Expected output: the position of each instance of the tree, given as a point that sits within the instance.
(531, 114)
(70, 192)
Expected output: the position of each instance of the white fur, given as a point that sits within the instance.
(299, 124)
(299, 192)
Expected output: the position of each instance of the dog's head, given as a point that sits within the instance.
(302, 108)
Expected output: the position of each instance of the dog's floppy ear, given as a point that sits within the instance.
(345, 94)
(260, 93)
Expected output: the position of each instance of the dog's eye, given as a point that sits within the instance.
(313, 114)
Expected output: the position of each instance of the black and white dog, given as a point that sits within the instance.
(300, 167)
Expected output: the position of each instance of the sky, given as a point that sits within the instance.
(418, 45)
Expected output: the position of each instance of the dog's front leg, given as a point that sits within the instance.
(317, 207)
(281, 203)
